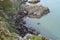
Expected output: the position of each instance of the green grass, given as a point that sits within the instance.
(35, 37)
(7, 24)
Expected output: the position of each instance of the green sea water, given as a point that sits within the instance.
(49, 24)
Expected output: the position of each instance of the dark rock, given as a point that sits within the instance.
(38, 23)
(33, 31)
(23, 30)
(34, 1)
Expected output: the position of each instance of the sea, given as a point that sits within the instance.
(49, 24)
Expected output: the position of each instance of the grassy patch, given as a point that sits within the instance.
(7, 24)
(35, 38)
(3, 36)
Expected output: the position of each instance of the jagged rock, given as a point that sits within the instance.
(38, 23)
(33, 1)
(23, 30)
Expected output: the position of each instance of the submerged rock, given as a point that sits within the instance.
(38, 23)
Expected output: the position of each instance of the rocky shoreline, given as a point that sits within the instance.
(21, 29)
(16, 19)
(5, 34)
(35, 11)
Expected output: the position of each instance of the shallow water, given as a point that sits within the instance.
(49, 24)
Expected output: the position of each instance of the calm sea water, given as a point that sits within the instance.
(49, 24)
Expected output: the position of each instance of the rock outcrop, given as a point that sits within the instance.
(35, 11)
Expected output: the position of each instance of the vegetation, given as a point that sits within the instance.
(5, 4)
(6, 30)
(34, 37)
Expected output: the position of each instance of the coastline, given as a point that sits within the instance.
(17, 22)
